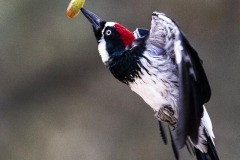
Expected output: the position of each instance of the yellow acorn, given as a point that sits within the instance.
(74, 8)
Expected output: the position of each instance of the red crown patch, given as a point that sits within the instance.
(126, 35)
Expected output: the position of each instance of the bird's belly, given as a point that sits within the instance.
(159, 94)
(152, 94)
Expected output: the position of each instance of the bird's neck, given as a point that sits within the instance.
(125, 64)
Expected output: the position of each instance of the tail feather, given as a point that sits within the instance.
(174, 147)
(190, 148)
(211, 153)
(202, 156)
(205, 149)
(162, 132)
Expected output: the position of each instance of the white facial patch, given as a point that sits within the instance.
(102, 50)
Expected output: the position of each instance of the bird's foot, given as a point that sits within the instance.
(166, 114)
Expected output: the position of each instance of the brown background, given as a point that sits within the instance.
(58, 102)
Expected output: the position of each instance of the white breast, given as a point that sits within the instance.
(156, 86)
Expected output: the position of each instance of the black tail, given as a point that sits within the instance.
(211, 154)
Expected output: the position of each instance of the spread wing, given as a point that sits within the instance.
(194, 90)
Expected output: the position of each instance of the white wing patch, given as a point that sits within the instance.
(178, 51)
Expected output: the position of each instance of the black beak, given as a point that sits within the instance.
(96, 22)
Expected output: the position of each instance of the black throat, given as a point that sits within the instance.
(126, 66)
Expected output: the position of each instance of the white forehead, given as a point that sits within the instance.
(108, 24)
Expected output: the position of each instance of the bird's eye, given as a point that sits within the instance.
(108, 32)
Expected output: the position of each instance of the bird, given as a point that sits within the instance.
(161, 66)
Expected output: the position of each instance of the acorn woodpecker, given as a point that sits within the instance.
(162, 67)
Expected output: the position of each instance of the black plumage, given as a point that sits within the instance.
(194, 92)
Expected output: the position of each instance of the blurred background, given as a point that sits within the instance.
(58, 101)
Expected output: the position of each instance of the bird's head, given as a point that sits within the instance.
(113, 38)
